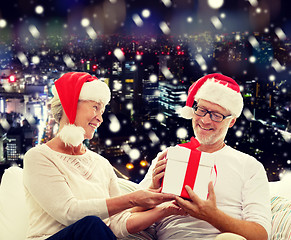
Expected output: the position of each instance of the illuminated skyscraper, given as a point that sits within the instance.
(172, 97)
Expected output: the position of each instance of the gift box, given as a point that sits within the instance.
(187, 167)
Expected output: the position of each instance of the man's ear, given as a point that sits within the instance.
(232, 122)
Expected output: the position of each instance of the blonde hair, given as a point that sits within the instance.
(56, 108)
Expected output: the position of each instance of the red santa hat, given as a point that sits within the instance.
(216, 88)
(72, 87)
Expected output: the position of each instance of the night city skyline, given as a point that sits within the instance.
(149, 61)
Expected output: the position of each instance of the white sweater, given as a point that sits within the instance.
(242, 191)
(61, 189)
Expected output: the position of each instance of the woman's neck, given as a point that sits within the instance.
(58, 145)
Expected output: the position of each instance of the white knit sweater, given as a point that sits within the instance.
(61, 189)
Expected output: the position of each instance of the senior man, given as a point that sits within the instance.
(239, 203)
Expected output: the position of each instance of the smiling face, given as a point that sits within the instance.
(211, 134)
(89, 116)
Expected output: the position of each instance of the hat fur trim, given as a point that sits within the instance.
(96, 90)
(72, 135)
(218, 93)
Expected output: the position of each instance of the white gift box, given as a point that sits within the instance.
(187, 167)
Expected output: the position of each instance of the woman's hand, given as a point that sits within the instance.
(137, 201)
(140, 220)
(171, 208)
(150, 198)
(159, 171)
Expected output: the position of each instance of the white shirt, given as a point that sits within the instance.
(242, 191)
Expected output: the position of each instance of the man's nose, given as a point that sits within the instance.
(207, 118)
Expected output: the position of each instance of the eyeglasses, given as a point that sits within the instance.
(214, 116)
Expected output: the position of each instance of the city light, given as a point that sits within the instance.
(2, 109)
(12, 79)
(143, 163)
(129, 166)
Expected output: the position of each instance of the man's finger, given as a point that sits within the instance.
(160, 165)
(157, 178)
(155, 190)
(185, 204)
(211, 191)
(192, 195)
(160, 176)
(163, 154)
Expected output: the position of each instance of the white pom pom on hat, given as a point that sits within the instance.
(216, 88)
(72, 135)
(72, 87)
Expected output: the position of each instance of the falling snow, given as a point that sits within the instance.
(172, 41)
(165, 28)
(114, 125)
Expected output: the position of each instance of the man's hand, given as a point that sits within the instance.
(198, 208)
(208, 211)
(159, 171)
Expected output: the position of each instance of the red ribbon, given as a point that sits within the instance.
(192, 166)
(193, 144)
(191, 172)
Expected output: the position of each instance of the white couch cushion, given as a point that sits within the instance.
(281, 188)
(13, 210)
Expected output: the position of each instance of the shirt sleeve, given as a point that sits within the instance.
(256, 196)
(146, 182)
(118, 221)
(41, 178)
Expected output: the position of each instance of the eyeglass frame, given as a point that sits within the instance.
(210, 113)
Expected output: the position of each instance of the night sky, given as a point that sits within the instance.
(127, 17)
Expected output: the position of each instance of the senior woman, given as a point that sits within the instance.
(72, 192)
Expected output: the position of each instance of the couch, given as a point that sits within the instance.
(14, 213)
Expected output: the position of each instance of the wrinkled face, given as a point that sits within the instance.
(207, 131)
(89, 116)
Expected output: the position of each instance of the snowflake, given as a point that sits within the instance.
(182, 133)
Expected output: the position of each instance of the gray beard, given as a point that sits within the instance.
(205, 140)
